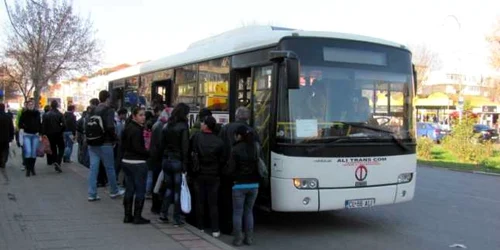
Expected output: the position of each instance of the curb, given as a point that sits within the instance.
(463, 171)
(486, 173)
(216, 242)
(82, 171)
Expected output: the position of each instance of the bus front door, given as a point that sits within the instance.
(162, 93)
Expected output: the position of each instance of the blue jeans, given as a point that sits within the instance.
(30, 145)
(243, 201)
(97, 154)
(172, 170)
(149, 182)
(68, 146)
(135, 184)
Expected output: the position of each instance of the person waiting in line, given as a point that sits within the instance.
(175, 148)
(80, 139)
(150, 121)
(103, 150)
(209, 150)
(227, 135)
(204, 112)
(156, 157)
(69, 133)
(120, 126)
(53, 128)
(134, 165)
(243, 167)
(31, 125)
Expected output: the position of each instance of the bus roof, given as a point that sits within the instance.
(238, 41)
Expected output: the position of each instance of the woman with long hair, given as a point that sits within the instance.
(243, 167)
(134, 165)
(31, 125)
(175, 148)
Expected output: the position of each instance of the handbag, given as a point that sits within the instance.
(46, 145)
(40, 151)
(161, 184)
(185, 196)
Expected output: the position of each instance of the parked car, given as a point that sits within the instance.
(487, 133)
(432, 131)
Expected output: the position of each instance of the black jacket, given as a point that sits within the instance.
(70, 120)
(53, 122)
(243, 164)
(30, 121)
(155, 147)
(227, 135)
(175, 142)
(133, 145)
(210, 150)
(108, 118)
(6, 130)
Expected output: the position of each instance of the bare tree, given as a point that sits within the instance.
(425, 60)
(47, 41)
(15, 80)
(494, 40)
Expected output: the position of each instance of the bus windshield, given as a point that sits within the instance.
(346, 102)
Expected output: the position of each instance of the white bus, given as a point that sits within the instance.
(334, 111)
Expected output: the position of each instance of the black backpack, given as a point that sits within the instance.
(94, 130)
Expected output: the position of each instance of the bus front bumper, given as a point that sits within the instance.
(287, 198)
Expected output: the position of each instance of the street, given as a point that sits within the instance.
(449, 208)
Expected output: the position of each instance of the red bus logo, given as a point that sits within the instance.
(361, 173)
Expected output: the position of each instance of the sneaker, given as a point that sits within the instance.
(163, 220)
(119, 193)
(149, 196)
(57, 167)
(216, 234)
(96, 198)
(178, 223)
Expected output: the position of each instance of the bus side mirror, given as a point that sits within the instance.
(415, 78)
(292, 72)
(292, 68)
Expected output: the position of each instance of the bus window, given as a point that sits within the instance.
(185, 85)
(244, 80)
(213, 84)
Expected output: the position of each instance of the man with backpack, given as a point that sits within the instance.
(101, 139)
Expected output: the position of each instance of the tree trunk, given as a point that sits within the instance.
(36, 97)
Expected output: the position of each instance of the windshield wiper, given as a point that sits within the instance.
(388, 132)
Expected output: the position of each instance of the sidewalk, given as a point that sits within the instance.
(51, 211)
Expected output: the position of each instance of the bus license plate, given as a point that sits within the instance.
(360, 203)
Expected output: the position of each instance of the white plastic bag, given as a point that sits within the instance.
(185, 196)
(158, 184)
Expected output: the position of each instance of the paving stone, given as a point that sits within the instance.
(182, 237)
(196, 243)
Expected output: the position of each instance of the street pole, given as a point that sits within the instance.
(459, 67)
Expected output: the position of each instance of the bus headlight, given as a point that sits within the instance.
(405, 177)
(305, 183)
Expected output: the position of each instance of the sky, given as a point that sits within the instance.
(135, 30)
